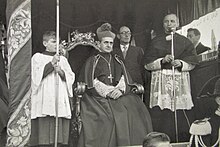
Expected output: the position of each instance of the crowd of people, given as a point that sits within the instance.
(112, 115)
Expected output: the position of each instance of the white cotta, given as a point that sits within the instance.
(161, 93)
(44, 91)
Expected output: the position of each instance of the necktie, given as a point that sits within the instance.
(124, 51)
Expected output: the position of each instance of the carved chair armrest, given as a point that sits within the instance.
(137, 89)
(79, 91)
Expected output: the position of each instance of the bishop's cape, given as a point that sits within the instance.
(111, 122)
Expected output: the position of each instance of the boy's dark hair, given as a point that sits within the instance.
(48, 35)
(155, 137)
(195, 31)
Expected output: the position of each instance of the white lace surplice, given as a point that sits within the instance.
(44, 90)
(162, 84)
(103, 89)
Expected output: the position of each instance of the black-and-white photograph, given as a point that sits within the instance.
(109, 73)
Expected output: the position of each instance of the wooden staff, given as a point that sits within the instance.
(173, 88)
(57, 77)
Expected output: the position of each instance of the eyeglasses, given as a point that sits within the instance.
(125, 33)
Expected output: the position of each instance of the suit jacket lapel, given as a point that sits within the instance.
(119, 52)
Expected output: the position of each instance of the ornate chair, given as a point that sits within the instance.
(80, 47)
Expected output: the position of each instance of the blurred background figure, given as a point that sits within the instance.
(156, 139)
(209, 126)
(194, 36)
(131, 55)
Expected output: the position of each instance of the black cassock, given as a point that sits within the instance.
(164, 120)
(108, 122)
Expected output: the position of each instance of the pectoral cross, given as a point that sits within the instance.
(110, 77)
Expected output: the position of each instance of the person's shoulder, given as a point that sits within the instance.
(159, 37)
(203, 46)
(200, 45)
(93, 58)
(182, 37)
(37, 58)
(37, 55)
(116, 56)
(116, 50)
(207, 48)
(116, 47)
(64, 59)
(137, 49)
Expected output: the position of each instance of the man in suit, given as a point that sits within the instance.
(194, 36)
(131, 55)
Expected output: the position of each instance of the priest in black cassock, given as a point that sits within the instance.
(159, 62)
(111, 115)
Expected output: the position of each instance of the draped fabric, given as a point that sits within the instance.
(139, 15)
(19, 49)
(2, 11)
(190, 10)
(87, 15)
(3, 96)
(3, 105)
(3, 93)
